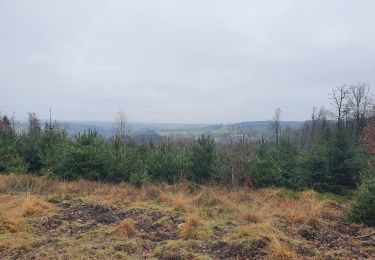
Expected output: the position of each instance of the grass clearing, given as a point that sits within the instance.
(182, 221)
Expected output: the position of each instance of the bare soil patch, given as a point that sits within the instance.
(224, 250)
(338, 237)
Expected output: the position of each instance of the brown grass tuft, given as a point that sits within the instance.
(125, 228)
(36, 206)
(251, 217)
(82, 187)
(206, 198)
(11, 224)
(23, 183)
(179, 200)
(260, 230)
(150, 192)
(279, 250)
(189, 227)
(301, 211)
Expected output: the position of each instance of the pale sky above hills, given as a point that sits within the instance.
(192, 61)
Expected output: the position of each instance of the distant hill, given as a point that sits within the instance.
(265, 125)
(257, 125)
(107, 129)
(242, 127)
(154, 131)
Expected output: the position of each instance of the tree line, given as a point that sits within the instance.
(326, 154)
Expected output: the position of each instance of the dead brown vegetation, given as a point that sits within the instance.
(125, 228)
(189, 227)
(38, 215)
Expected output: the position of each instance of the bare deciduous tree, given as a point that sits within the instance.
(323, 118)
(121, 132)
(314, 121)
(276, 125)
(33, 123)
(358, 103)
(339, 96)
(232, 137)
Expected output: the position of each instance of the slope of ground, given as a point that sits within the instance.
(44, 219)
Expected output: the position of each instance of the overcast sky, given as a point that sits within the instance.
(177, 61)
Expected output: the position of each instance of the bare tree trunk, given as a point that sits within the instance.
(13, 119)
(358, 102)
(276, 125)
(338, 96)
(121, 132)
(232, 132)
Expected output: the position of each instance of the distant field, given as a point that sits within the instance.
(44, 219)
(196, 132)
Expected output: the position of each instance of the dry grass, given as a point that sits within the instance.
(309, 207)
(178, 201)
(237, 216)
(266, 229)
(189, 227)
(251, 216)
(14, 210)
(125, 228)
(10, 223)
(36, 206)
(22, 183)
(280, 250)
(148, 193)
(10, 217)
(206, 198)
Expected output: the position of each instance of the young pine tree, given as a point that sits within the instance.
(202, 159)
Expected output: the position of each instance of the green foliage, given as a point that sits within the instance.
(140, 178)
(362, 209)
(29, 146)
(10, 161)
(88, 157)
(288, 194)
(346, 161)
(334, 163)
(314, 164)
(288, 162)
(202, 159)
(331, 166)
(243, 154)
(124, 164)
(32, 150)
(41, 149)
(277, 167)
(164, 164)
(222, 167)
(30, 143)
(265, 170)
(54, 142)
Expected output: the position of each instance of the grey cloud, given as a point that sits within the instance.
(181, 61)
